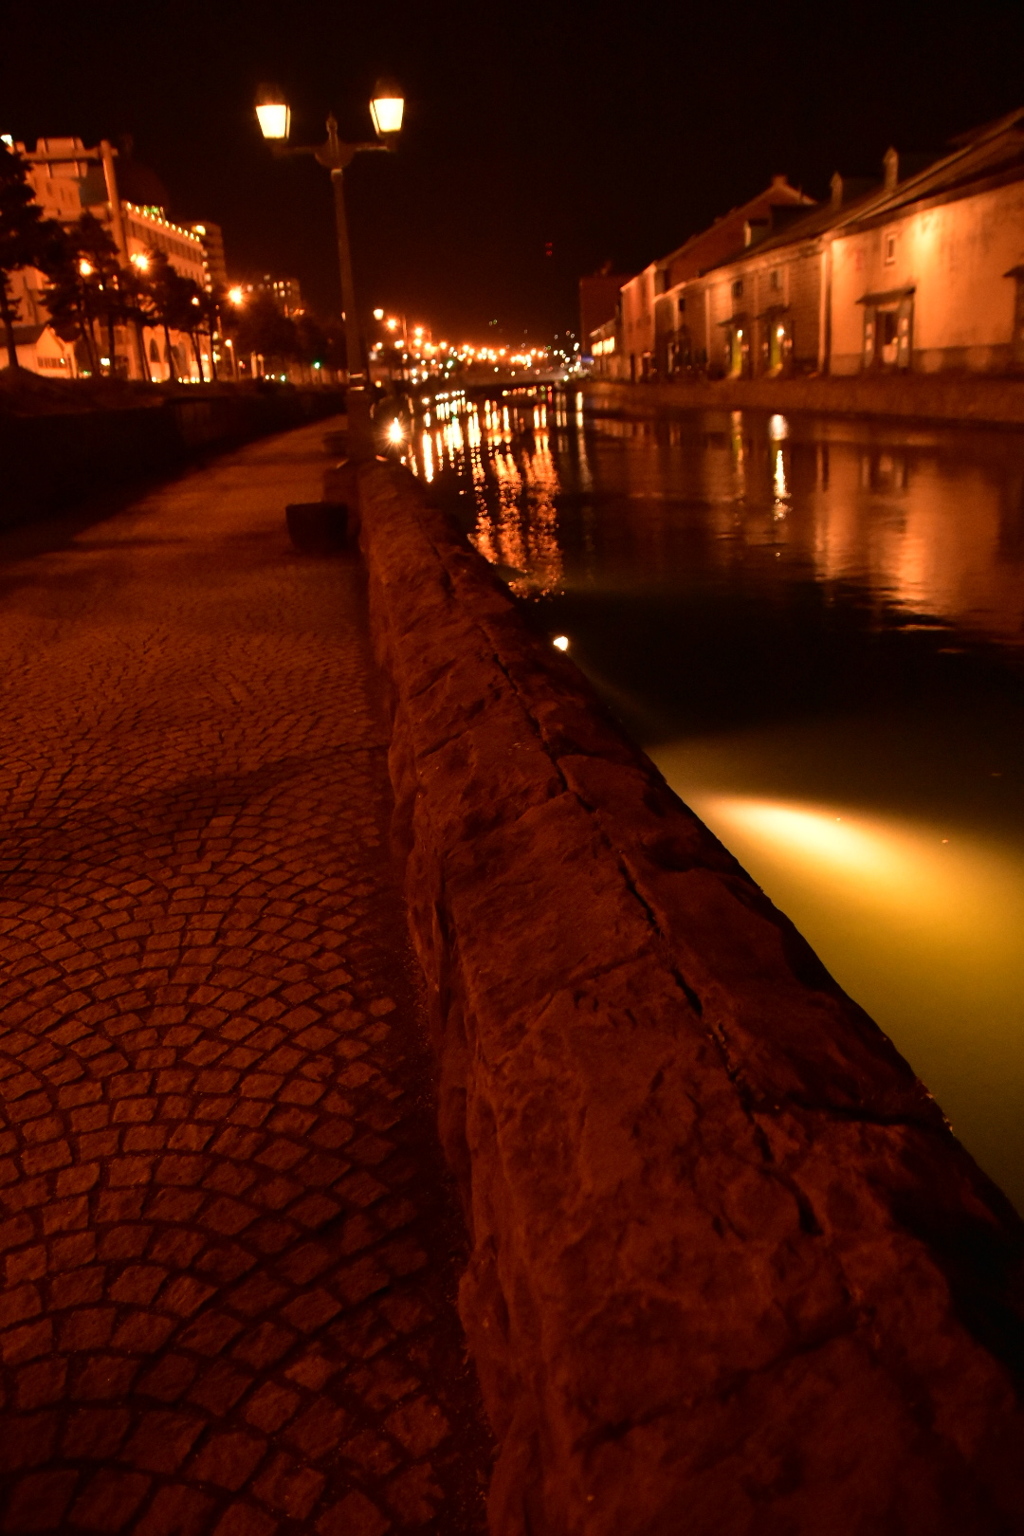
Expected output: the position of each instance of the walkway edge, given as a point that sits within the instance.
(729, 1265)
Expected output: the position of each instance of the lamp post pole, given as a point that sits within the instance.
(336, 156)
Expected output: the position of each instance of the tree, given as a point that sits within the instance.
(264, 331)
(87, 286)
(336, 355)
(24, 237)
(134, 287)
(210, 309)
(313, 347)
(176, 303)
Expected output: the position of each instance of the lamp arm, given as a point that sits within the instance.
(336, 155)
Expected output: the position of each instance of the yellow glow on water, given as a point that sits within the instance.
(814, 834)
(920, 922)
(887, 863)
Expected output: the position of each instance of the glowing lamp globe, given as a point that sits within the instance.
(273, 113)
(387, 108)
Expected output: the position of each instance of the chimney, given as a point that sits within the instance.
(837, 189)
(891, 164)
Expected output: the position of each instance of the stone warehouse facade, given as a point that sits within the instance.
(643, 306)
(921, 270)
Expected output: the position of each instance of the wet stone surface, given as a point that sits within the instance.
(229, 1246)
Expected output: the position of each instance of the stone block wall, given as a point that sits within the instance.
(731, 1272)
(957, 398)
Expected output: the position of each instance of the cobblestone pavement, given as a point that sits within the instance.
(229, 1247)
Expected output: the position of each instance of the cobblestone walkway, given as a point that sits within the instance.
(229, 1248)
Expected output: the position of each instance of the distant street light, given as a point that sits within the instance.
(386, 109)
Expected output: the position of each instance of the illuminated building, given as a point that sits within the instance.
(605, 341)
(215, 269)
(599, 305)
(921, 269)
(285, 291)
(70, 179)
(638, 355)
(930, 275)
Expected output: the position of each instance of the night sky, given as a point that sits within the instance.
(608, 132)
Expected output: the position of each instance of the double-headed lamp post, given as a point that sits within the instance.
(386, 109)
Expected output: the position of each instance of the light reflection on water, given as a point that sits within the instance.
(816, 628)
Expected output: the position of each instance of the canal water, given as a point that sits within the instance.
(815, 627)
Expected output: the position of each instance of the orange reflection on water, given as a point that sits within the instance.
(517, 517)
(930, 534)
(541, 478)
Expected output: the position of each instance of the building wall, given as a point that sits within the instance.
(148, 230)
(955, 255)
(599, 300)
(215, 264)
(604, 348)
(638, 334)
(652, 327)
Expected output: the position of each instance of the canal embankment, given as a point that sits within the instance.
(945, 397)
(55, 450)
(730, 1267)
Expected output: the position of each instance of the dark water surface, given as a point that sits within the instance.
(816, 629)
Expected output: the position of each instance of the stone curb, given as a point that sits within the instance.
(957, 399)
(731, 1271)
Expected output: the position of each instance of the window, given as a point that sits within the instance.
(890, 248)
(682, 306)
(737, 288)
(776, 281)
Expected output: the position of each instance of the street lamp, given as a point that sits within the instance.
(386, 108)
(273, 113)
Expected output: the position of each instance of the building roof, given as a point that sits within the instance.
(989, 155)
(816, 221)
(712, 246)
